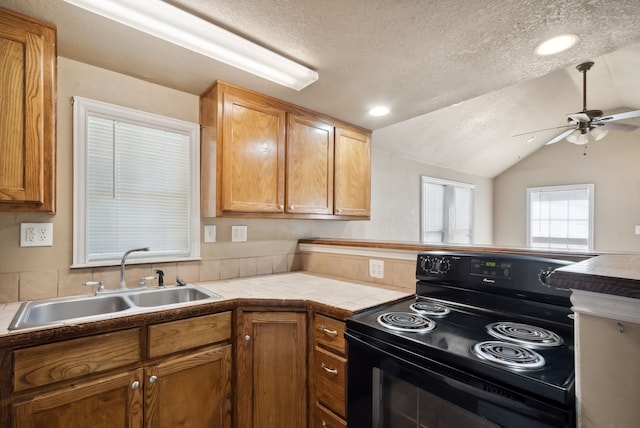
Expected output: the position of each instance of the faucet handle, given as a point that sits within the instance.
(100, 285)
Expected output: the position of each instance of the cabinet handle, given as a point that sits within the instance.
(324, 424)
(328, 332)
(329, 370)
(281, 207)
(153, 379)
(247, 338)
(135, 385)
(292, 207)
(339, 210)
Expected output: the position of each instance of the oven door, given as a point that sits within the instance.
(392, 388)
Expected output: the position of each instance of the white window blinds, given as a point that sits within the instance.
(560, 217)
(136, 185)
(447, 211)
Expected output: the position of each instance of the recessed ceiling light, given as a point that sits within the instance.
(379, 111)
(556, 44)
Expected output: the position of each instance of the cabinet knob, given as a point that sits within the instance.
(135, 385)
(281, 207)
(329, 370)
(292, 207)
(324, 424)
(153, 379)
(339, 210)
(247, 338)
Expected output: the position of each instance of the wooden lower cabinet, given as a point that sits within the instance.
(171, 374)
(113, 401)
(325, 418)
(271, 370)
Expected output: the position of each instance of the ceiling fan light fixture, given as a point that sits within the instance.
(598, 134)
(557, 44)
(174, 25)
(578, 137)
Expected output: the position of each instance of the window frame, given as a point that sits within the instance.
(447, 233)
(590, 187)
(82, 109)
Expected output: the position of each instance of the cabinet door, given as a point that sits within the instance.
(309, 165)
(191, 392)
(271, 370)
(114, 401)
(27, 114)
(352, 173)
(252, 155)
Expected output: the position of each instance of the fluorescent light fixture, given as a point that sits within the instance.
(556, 44)
(176, 26)
(379, 111)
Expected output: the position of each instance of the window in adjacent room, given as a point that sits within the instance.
(447, 211)
(560, 217)
(136, 184)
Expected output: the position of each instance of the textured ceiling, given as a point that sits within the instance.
(420, 57)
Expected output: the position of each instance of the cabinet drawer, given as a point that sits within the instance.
(175, 336)
(329, 333)
(325, 418)
(69, 359)
(330, 374)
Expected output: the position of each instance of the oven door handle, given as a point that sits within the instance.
(500, 396)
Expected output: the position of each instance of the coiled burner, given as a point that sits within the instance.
(524, 334)
(406, 321)
(509, 355)
(425, 307)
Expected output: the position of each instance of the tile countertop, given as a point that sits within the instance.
(337, 295)
(617, 275)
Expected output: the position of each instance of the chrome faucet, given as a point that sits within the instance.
(123, 284)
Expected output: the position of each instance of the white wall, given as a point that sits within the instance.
(611, 164)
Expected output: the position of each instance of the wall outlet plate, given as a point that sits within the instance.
(36, 234)
(238, 233)
(637, 230)
(376, 268)
(209, 233)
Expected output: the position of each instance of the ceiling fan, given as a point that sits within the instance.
(589, 123)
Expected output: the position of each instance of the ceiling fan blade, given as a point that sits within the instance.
(542, 130)
(618, 116)
(560, 137)
(611, 126)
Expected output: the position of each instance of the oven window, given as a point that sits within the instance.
(399, 404)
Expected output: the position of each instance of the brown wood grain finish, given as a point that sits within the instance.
(192, 391)
(330, 380)
(27, 123)
(75, 358)
(309, 165)
(271, 371)
(276, 160)
(175, 336)
(329, 333)
(352, 173)
(325, 418)
(105, 403)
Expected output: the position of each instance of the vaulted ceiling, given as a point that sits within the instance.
(460, 76)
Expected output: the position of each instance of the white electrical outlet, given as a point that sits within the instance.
(36, 234)
(209, 233)
(376, 268)
(637, 230)
(238, 233)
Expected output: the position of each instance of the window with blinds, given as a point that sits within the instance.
(136, 184)
(447, 211)
(560, 217)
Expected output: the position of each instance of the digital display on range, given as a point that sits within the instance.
(490, 268)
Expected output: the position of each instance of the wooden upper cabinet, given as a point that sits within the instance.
(352, 173)
(309, 165)
(27, 113)
(274, 159)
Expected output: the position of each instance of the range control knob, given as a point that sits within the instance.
(443, 266)
(427, 264)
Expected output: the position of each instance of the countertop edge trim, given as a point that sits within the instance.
(606, 305)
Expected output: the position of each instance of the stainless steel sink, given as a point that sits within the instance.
(170, 296)
(36, 313)
(42, 312)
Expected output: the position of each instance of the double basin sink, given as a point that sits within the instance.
(60, 310)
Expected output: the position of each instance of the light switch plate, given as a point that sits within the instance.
(36, 234)
(637, 230)
(238, 233)
(376, 268)
(209, 233)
